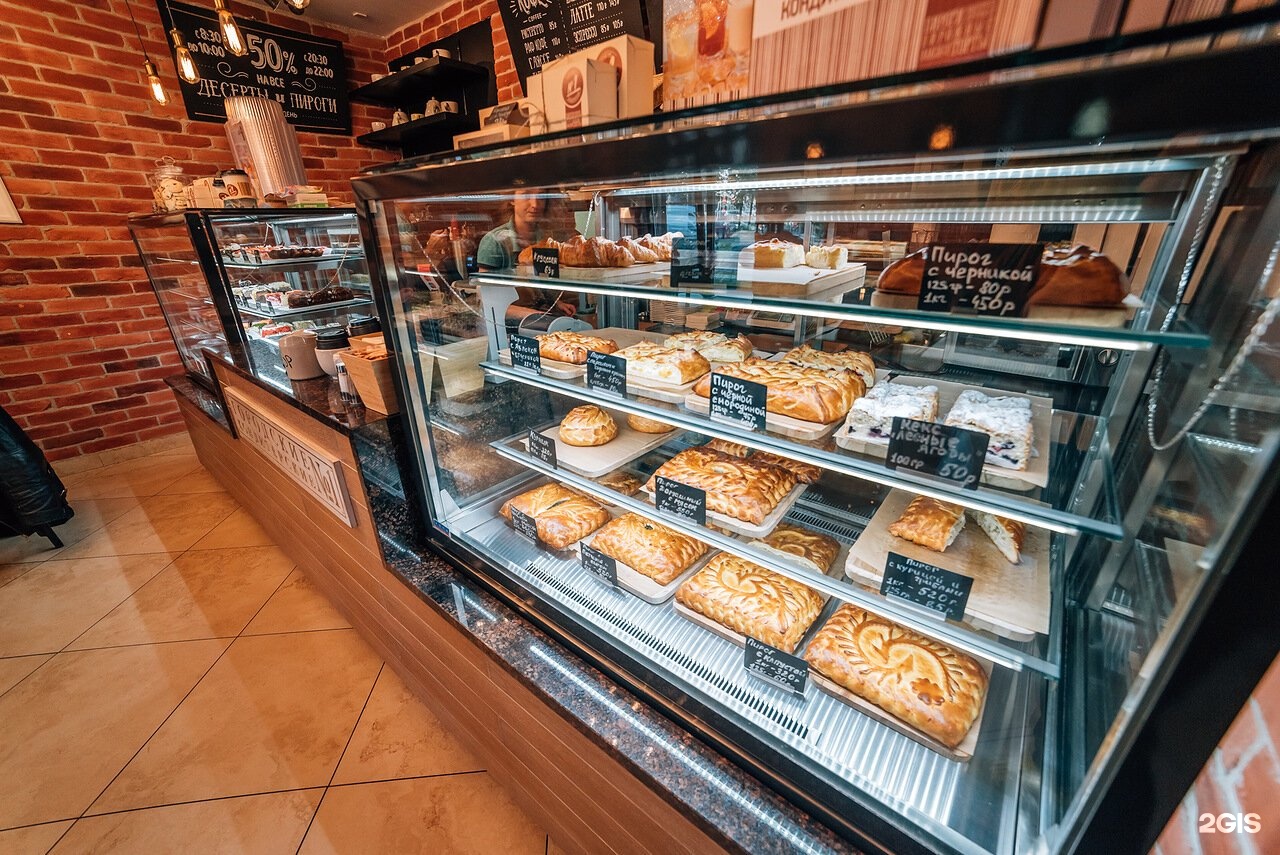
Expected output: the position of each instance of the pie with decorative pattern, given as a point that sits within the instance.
(752, 600)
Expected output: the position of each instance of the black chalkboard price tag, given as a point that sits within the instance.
(606, 373)
(524, 524)
(925, 585)
(542, 448)
(775, 667)
(500, 114)
(600, 565)
(992, 279)
(739, 402)
(680, 500)
(546, 262)
(525, 353)
(947, 452)
(691, 264)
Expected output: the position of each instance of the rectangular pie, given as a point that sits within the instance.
(735, 487)
(648, 548)
(1005, 418)
(811, 547)
(572, 347)
(806, 473)
(777, 253)
(827, 257)
(808, 394)
(932, 524)
(714, 346)
(752, 600)
(562, 516)
(850, 360)
(871, 416)
(647, 361)
(925, 683)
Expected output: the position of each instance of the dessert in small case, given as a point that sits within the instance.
(925, 683)
(1005, 418)
(572, 347)
(871, 417)
(735, 487)
(587, 426)
(752, 600)
(851, 360)
(562, 516)
(1006, 534)
(932, 524)
(827, 257)
(808, 394)
(648, 548)
(777, 253)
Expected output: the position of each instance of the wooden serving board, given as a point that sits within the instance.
(802, 281)
(634, 582)
(962, 753)
(774, 423)
(599, 274)
(1037, 472)
(598, 460)
(736, 526)
(1109, 318)
(1011, 600)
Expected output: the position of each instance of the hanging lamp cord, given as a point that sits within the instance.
(129, 7)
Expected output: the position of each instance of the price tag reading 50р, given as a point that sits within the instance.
(928, 448)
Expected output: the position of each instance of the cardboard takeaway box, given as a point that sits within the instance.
(579, 91)
(633, 61)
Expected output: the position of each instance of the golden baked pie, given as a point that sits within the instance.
(621, 481)
(562, 516)
(923, 682)
(851, 360)
(572, 347)
(808, 394)
(811, 547)
(648, 548)
(777, 253)
(735, 487)
(587, 426)
(651, 362)
(827, 257)
(805, 473)
(930, 523)
(1006, 534)
(733, 449)
(717, 347)
(644, 425)
(752, 600)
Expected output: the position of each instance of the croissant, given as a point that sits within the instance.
(594, 252)
(526, 254)
(642, 253)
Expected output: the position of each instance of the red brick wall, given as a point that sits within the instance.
(83, 347)
(1242, 777)
(450, 20)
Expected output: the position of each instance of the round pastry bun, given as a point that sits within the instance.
(587, 426)
(644, 425)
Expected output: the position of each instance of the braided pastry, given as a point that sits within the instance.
(562, 516)
(587, 426)
(572, 347)
(752, 600)
(923, 682)
(805, 473)
(737, 488)
(808, 394)
(648, 548)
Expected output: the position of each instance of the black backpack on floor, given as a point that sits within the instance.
(32, 499)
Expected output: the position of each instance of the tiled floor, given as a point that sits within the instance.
(169, 682)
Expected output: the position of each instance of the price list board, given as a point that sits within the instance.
(542, 30)
(306, 74)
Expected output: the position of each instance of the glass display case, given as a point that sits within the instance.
(250, 276)
(894, 444)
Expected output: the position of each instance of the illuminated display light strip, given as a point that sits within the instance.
(946, 323)
(984, 214)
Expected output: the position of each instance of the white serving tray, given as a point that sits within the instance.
(599, 274)
(598, 460)
(802, 281)
(737, 526)
(634, 582)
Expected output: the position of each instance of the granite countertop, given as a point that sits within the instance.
(730, 804)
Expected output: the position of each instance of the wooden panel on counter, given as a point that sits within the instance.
(587, 799)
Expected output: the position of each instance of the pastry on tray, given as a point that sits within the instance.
(827, 257)
(752, 600)
(648, 548)
(735, 487)
(1008, 535)
(807, 394)
(653, 363)
(587, 426)
(851, 360)
(572, 347)
(805, 473)
(644, 425)
(777, 253)
(622, 482)
(930, 523)
(813, 548)
(562, 516)
(641, 253)
(1005, 418)
(932, 687)
(871, 417)
(714, 346)
(578, 251)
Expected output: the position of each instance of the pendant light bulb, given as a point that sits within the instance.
(232, 38)
(298, 5)
(153, 80)
(182, 59)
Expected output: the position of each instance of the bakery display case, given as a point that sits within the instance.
(896, 445)
(252, 276)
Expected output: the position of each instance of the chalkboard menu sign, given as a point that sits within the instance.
(306, 74)
(542, 30)
(979, 278)
(925, 585)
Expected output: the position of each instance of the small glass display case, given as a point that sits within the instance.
(249, 277)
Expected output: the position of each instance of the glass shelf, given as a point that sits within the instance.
(304, 310)
(1022, 507)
